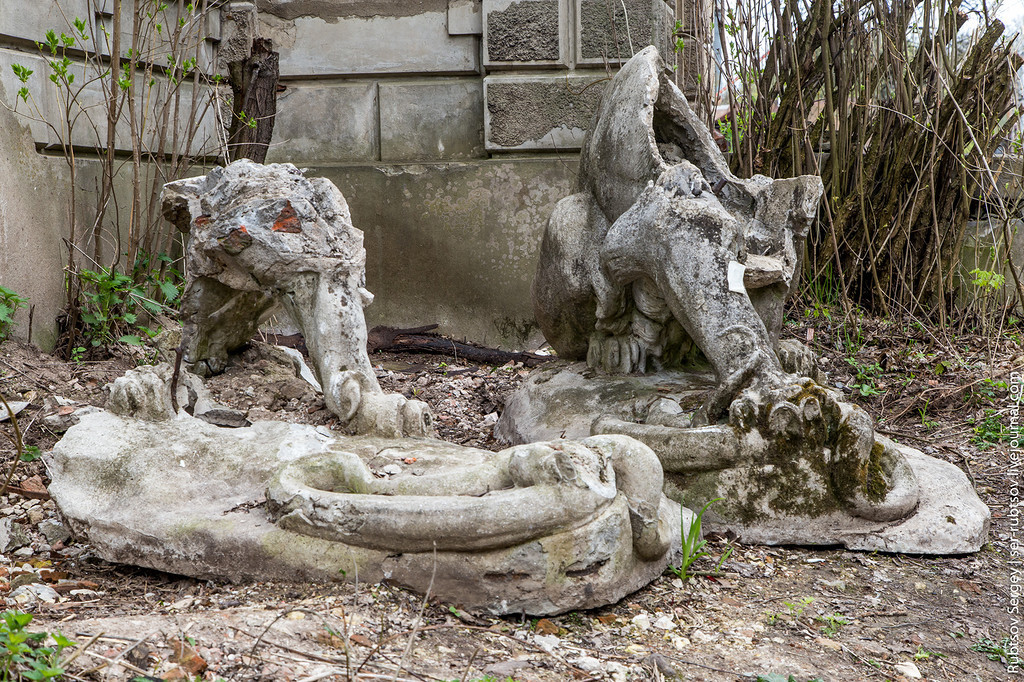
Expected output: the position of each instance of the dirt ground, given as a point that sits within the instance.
(778, 613)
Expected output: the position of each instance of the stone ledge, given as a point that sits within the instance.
(355, 46)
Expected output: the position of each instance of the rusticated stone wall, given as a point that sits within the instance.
(451, 126)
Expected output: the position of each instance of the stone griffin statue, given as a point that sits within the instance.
(663, 250)
(663, 259)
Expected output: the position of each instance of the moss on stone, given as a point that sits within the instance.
(876, 484)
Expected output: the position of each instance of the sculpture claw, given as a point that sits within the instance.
(620, 354)
(803, 419)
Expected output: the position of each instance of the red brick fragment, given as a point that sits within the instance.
(288, 220)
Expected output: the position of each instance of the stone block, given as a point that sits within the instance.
(154, 95)
(204, 140)
(539, 112)
(39, 107)
(525, 33)
(454, 243)
(47, 104)
(431, 120)
(416, 43)
(612, 31)
(465, 17)
(325, 123)
(175, 26)
(31, 20)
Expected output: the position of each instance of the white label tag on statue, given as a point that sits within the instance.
(736, 271)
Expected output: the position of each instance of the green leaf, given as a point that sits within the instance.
(31, 453)
(21, 72)
(51, 41)
(130, 340)
(61, 640)
(168, 289)
(151, 306)
(16, 620)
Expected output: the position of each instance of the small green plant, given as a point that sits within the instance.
(927, 423)
(159, 277)
(923, 654)
(23, 654)
(775, 677)
(994, 651)
(693, 545)
(833, 624)
(113, 301)
(866, 375)
(988, 390)
(106, 310)
(989, 430)
(986, 280)
(796, 609)
(852, 338)
(9, 304)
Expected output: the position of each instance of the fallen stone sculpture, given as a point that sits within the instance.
(663, 260)
(259, 235)
(541, 528)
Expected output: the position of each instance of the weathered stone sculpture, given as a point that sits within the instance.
(663, 255)
(541, 528)
(663, 250)
(260, 235)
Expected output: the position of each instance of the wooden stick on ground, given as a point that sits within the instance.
(419, 340)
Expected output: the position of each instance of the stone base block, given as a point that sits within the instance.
(188, 497)
(767, 495)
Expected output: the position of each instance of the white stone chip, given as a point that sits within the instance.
(665, 623)
(547, 642)
(908, 670)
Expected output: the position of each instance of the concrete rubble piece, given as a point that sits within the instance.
(668, 275)
(541, 528)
